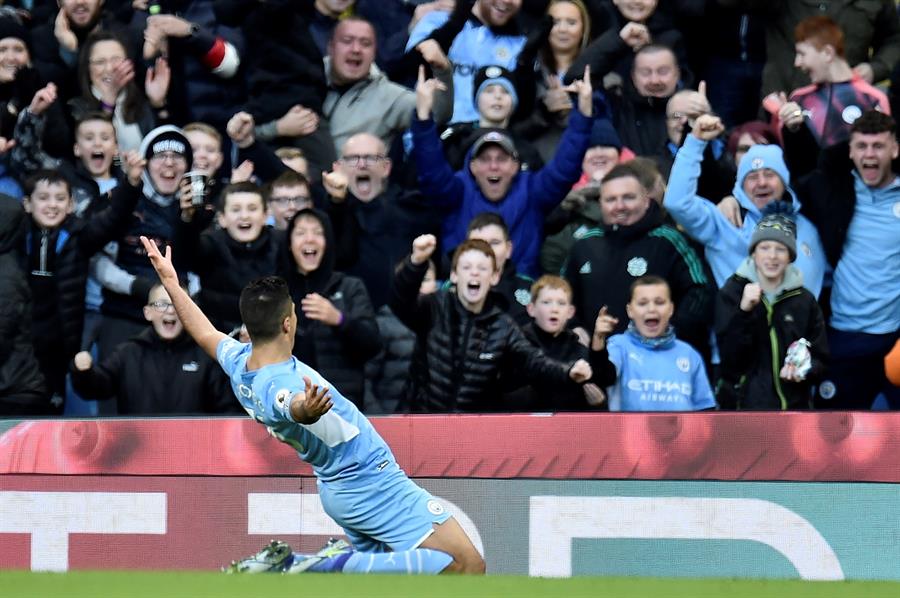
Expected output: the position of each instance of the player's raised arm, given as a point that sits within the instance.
(194, 321)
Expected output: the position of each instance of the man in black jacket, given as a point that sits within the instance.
(377, 220)
(634, 241)
(467, 347)
(162, 371)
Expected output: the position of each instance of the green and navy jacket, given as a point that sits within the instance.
(606, 260)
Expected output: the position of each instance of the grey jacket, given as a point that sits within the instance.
(379, 106)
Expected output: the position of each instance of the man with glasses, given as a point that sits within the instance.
(377, 220)
(161, 371)
(716, 170)
(287, 195)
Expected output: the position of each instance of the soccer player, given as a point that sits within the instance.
(360, 483)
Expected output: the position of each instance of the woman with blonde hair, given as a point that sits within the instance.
(568, 36)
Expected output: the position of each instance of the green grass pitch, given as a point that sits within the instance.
(96, 584)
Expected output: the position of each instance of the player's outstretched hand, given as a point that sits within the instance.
(316, 403)
(161, 263)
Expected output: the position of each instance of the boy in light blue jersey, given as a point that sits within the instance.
(647, 368)
(360, 484)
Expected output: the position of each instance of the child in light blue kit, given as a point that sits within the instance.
(647, 368)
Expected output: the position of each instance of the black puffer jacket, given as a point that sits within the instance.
(564, 347)
(339, 352)
(463, 358)
(283, 65)
(150, 376)
(225, 266)
(21, 383)
(387, 374)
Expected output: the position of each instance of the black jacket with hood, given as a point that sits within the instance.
(22, 390)
(339, 352)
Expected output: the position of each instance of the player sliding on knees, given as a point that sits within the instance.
(394, 525)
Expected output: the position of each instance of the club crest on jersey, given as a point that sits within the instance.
(637, 266)
(896, 210)
(282, 396)
(434, 507)
(683, 364)
(850, 114)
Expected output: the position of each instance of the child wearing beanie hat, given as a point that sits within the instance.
(770, 329)
(778, 227)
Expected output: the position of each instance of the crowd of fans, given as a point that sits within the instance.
(478, 205)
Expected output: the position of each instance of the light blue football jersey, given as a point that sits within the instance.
(342, 444)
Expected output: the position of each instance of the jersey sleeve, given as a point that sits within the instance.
(280, 390)
(227, 354)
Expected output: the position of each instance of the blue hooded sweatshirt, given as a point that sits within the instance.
(726, 246)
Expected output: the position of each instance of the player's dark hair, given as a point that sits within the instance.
(647, 281)
(264, 305)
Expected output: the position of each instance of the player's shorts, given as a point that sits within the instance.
(382, 512)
